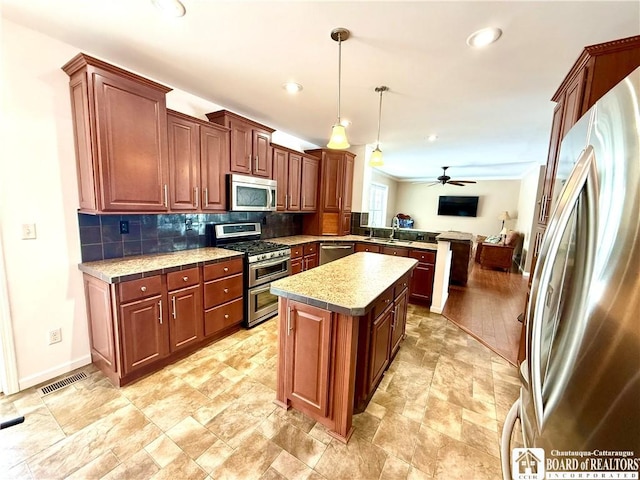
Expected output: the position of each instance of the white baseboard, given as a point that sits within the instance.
(61, 369)
(433, 309)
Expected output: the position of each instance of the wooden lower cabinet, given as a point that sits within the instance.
(380, 343)
(137, 327)
(308, 357)
(421, 288)
(399, 324)
(304, 257)
(365, 247)
(144, 330)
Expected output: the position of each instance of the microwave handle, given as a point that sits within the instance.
(271, 198)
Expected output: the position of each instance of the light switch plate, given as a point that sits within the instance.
(28, 231)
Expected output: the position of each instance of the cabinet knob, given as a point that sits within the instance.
(226, 315)
(185, 278)
(226, 290)
(386, 300)
(143, 288)
(225, 269)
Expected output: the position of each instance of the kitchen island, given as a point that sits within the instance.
(340, 327)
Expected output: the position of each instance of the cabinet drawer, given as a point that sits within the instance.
(400, 252)
(367, 247)
(222, 269)
(400, 285)
(137, 289)
(382, 303)
(183, 278)
(221, 291)
(223, 316)
(297, 251)
(310, 248)
(423, 256)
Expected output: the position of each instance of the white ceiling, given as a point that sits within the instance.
(490, 108)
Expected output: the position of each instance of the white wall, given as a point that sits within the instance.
(421, 202)
(530, 191)
(38, 185)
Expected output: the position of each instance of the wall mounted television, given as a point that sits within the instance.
(457, 206)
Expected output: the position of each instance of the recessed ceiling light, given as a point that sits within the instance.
(171, 8)
(292, 87)
(432, 137)
(484, 37)
(344, 122)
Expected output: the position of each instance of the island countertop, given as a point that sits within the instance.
(349, 285)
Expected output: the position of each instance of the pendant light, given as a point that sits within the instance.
(376, 156)
(338, 140)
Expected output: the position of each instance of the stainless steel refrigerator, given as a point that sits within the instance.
(581, 377)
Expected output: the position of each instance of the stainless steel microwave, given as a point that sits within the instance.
(251, 194)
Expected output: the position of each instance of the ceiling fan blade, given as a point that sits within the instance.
(432, 184)
(455, 182)
(465, 181)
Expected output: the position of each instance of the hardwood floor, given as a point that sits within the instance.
(488, 309)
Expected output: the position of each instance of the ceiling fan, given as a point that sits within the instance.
(446, 179)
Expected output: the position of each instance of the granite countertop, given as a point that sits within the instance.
(456, 236)
(349, 285)
(118, 270)
(302, 239)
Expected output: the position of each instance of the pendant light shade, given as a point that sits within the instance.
(375, 160)
(338, 140)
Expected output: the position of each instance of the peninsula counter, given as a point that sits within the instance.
(340, 326)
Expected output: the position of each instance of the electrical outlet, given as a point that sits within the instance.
(55, 336)
(28, 231)
(188, 223)
(124, 226)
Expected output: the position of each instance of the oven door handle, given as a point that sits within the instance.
(269, 263)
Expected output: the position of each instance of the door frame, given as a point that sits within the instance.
(8, 367)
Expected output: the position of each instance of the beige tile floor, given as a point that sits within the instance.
(436, 415)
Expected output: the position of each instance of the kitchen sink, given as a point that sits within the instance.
(389, 241)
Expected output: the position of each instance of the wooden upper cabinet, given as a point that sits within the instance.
(280, 174)
(250, 143)
(335, 192)
(120, 130)
(294, 184)
(309, 184)
(198, 163)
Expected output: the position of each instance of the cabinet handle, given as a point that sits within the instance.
(160, 308)
(225, 269)
(206, 197)
(289, 327)
(226, 290)
(166, 196)
(226, 315)
(173, 307)
(143, 288)
(195, 196)
(303, 203)
(286, 202)
(250, 163)
(339, 203)
(185, 278)
(393, 321)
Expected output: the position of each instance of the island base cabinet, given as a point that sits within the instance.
(316, 364)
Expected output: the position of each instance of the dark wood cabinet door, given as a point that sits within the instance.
(380, 343)
(185, 307)
(310, 261)
(345, 222)
(184, 163)
(214, 166)
(132, 145)
(309, 184)
(399, 324)
(347, 182)
(296, 265)
(552, 162)
(332, 173)
(103, 342)
(241, 147)
(261, 149)
(421, 288)
(144, 333)
(308, 346)
(280, 174)
(294, 184)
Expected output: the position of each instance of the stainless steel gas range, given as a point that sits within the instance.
(264, 262)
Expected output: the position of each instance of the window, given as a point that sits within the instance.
(377, 204)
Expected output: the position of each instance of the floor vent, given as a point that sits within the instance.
(52, 387)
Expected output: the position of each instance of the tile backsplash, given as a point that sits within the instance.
(101, 237)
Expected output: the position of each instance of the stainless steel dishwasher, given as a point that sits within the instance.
(335, 250)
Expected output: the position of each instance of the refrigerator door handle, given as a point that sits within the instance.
(505, 443)
(583, 174)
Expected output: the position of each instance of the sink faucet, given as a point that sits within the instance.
(395, 224)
